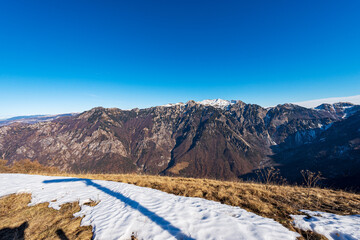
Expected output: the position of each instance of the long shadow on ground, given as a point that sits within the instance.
(17, 233)
(60, 233)
(164, 224)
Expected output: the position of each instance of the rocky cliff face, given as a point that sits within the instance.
(222, 140)
(334, 151)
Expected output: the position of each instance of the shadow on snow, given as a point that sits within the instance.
(164, 224)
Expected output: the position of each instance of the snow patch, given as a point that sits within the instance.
(330, 225)
(150, 214)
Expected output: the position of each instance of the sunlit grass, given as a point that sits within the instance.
(273, 201)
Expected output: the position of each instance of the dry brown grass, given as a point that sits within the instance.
(19, 221)
(178, 167)
(26, 166)
(273, 201)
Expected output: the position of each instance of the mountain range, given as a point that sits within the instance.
(32, 118)
(211, 139)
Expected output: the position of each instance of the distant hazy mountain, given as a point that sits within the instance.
(213, 138)
(317, 102)
(32, 119)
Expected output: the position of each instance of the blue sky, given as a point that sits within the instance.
(69, 56)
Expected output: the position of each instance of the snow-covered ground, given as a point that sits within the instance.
(150, 214)
(330, 225)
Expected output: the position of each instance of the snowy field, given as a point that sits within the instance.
(149, 213)
(124, 209)
(330, 225)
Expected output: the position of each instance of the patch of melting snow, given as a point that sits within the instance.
(124, 209)
(330, 225)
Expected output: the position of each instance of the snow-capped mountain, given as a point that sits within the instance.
(218, 103)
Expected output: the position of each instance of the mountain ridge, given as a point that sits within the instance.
(192, 139)
(220, 103)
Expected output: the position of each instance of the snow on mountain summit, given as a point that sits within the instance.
(218, 103)
(173, 104)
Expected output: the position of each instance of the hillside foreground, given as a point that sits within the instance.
(272, 201)
(124, 210)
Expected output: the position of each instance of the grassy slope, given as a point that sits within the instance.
(19, 221)
(273, 201)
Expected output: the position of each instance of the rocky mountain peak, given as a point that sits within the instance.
(217, 103)
(340, 109)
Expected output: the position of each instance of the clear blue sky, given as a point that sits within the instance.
(67, 56)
